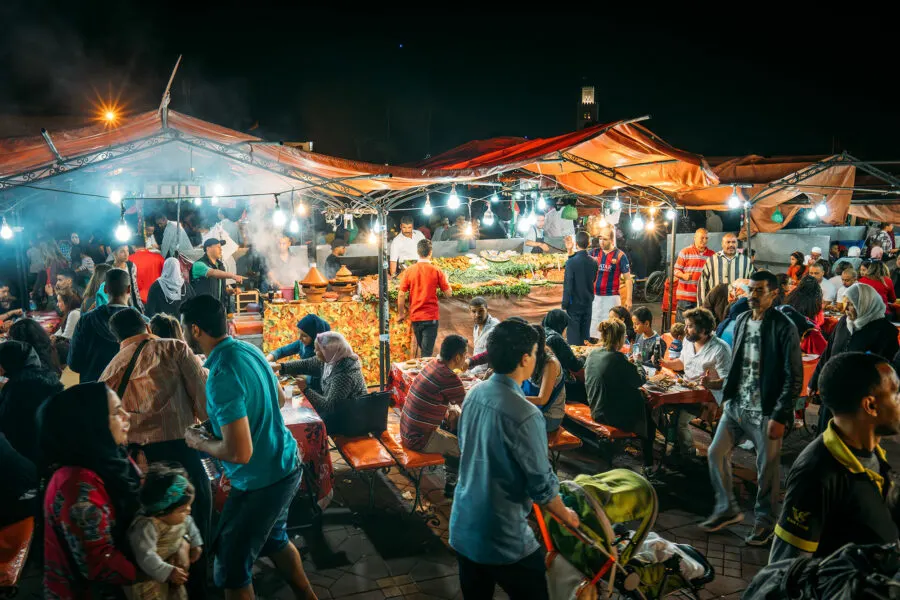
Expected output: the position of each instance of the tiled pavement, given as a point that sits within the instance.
(389, 554)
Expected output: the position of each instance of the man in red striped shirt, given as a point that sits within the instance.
(613, 266)
(433, 395)
(688, 269)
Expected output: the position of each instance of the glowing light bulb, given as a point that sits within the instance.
(427, 210)
(822, 209)
(214, 200)
(301, 209)
(373, 237)
(453, 200)
(523, 224)
(651, 225)
(534, 195)
(670, 214)
(218, 189)
(198, 201)
(279, 218)
(294, 225)
(488, 218)
(616, 204)
(109, 115)
(495, 197)
(115, 196)
(517, 195)
(637, 223)
(468, 230)
(734, 201)
(123, 233)
(811, 215)
(5, 230)
(603, 222)
(541, 203)
(652, 210)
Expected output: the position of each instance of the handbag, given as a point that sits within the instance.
(123, 385)
(364, 415)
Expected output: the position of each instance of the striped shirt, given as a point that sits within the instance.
(721, 269)
(611, 266)
(691, 261)
(430, 393)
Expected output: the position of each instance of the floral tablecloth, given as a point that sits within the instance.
(308, 429)
(357, 321)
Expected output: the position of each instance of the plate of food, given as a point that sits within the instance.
(498, 256)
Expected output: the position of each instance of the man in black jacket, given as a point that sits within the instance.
(759, 395)
(578, 290)
(93, 344)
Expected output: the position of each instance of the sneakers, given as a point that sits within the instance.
(717, 522)
(760, 536)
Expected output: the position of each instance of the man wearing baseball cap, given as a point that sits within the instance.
(208, 274)
(333, 263)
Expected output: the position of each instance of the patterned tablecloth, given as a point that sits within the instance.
(308, 429)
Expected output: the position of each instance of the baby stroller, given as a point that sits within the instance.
(603, 554)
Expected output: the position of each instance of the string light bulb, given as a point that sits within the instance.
(115, 197)
(453, 200)
(427, 210)
(5, 230)
(534, 195)
(294, 225)
(811, 215)
(670, 214)
(637, 223)
(278, 217)
(523, 224)
(488, 218)
(495, 198)
(301, 208)
(603, 222)
(652, 210)
(373, 237)
(822, 209)
(651, 225)
(517, 195)
(123, 232)
(616, 204)
(542, 203)
(734, 201)
(198, 201)
(468, 231)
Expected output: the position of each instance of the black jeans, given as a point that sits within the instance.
(579, 325)
(177, 451)
(523, 580)
(681, 307)
(426, 334)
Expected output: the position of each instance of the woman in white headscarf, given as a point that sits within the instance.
(341, 373)
(863, 329)
(168, 292)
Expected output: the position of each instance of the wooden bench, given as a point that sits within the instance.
(15, 541)
(559, 441)
(605, 438)
(411, 462)
(365, 456)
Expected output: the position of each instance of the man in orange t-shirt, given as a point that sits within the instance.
(421, 283)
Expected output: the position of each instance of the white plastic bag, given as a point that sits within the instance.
(656, 550)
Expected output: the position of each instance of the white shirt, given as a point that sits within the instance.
(829, 292)
(836, 282)
(67, 329)
(841, 294)
(715, 354)
(480, 334)
(404, 248)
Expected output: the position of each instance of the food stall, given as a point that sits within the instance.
(527, 285)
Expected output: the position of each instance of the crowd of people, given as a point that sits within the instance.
(163, 384)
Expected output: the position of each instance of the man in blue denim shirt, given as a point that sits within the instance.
(504, 468)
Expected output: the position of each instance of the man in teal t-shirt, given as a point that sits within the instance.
(259, 454)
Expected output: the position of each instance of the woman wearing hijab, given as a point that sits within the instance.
(309, 329)
(28, 386)
(863, 329)
(169, 291)
(91, 496)
(341, 374)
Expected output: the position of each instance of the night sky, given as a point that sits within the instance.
(396, 89)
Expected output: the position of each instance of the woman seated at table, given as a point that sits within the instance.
(623, 314)
(614, 388)
(863, 329)
(309, 328)
(91, 496)
(555, 324)
(341, 375)
(546, 387)
(875, 274)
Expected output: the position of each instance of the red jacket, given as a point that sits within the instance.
(149, 268)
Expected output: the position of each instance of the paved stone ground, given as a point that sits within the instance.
(390, 554)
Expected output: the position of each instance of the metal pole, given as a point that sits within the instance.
(21, 263)
(384, 346)
(747, 225)
(672, 257)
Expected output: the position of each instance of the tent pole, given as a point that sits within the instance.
(384, 346)
(22, 264)
(747, 225)
(672, 257)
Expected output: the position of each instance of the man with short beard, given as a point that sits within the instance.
(758, 401)
(837, 490)
(817, 271)
(723, 267)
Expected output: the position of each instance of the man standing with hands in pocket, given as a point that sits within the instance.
(760, 391)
